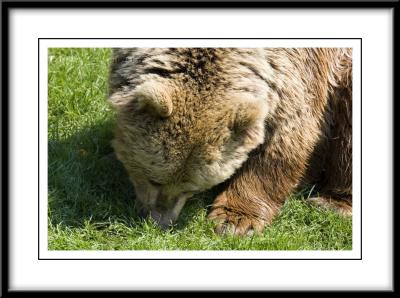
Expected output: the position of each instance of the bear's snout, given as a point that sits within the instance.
(164, 216)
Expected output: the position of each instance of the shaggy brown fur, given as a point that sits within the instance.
(265, 120)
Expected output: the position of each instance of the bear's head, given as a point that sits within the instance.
(186, 121)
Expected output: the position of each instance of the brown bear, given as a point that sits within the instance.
(264, 120)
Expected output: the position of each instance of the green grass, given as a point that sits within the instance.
(91, 201)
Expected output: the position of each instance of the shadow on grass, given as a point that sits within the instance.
(86, 183)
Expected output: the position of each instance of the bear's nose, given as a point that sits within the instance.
(163, 220)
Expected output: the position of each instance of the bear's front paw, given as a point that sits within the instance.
(231, 222)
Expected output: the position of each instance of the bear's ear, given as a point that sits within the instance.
(152, 97)
(155, 98)
(249, 123)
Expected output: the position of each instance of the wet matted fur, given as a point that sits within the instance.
(264, 120)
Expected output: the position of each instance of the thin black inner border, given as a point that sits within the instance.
(166, 38)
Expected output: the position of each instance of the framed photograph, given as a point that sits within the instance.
(158, 146)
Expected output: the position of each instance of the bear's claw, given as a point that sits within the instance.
(228, 222)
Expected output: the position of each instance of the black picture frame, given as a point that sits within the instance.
(8, 6)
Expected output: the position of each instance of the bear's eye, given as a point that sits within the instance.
(154, 183)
